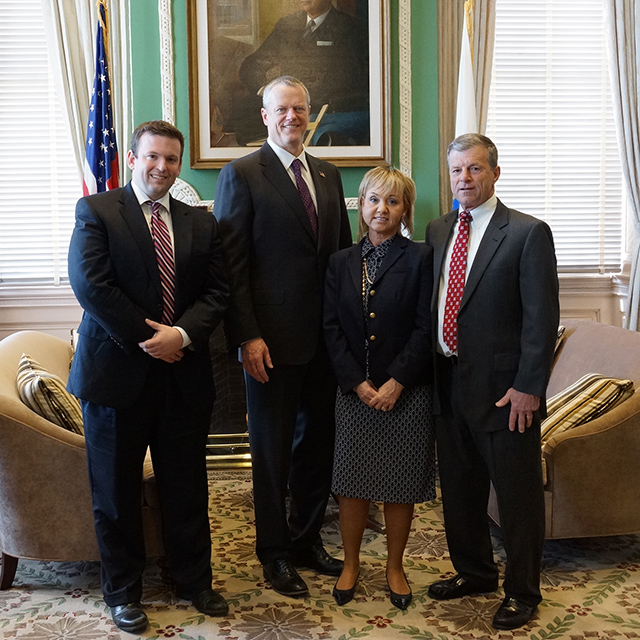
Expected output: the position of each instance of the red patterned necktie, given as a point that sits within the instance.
(455, 285)
(166, 265)
(307, 200)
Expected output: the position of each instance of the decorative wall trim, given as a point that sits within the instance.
(404, 40)
(183, 191)
(166, 61)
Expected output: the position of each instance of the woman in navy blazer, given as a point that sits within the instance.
(378, 333)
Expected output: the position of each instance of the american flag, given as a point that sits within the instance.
(101, 171)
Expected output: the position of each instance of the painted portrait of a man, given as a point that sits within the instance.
(323, 43)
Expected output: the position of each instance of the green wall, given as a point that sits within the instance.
(147, 101)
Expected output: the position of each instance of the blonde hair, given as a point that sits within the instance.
(388, 179)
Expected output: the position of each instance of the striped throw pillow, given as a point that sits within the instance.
(46, 394)
(584, 400)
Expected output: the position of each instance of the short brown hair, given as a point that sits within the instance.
(390, 179)
(155, 128)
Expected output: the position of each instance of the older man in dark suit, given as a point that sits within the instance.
(149, 273)
(281, 214)
(328, 51)
(496, 302)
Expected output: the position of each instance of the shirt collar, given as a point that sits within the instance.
(483, 213)
(143, 197)
(319, 20)
(287, 158)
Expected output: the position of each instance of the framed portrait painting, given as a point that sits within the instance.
(338, 48)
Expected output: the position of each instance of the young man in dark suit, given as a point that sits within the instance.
(497, 312)
(149, 273)
(278, 230)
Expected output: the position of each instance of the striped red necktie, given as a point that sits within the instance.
(166, 265)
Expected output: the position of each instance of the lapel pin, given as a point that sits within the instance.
(322, 174)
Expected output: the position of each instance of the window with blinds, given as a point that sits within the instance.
(39, 181)
(551, 117)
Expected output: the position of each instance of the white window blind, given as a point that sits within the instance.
(551, 117)
(39, 181)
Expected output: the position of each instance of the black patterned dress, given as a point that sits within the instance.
(384, 456)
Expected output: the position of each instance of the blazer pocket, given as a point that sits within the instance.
(268, 296)
(506, 361)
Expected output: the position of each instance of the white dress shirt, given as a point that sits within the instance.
(480, 219)
(165, 214)
(287, 158)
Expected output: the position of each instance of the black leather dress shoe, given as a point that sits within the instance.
(284, 578)
(316, 557)
(456, 587)
(512, 614)
(130, 617)
(210, 602)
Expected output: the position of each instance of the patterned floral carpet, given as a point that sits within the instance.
(591, 589)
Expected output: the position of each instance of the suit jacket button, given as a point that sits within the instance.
(372, 338)
(372, 292)
(372, 315)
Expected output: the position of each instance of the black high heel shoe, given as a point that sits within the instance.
(400, 600)
(342, 596)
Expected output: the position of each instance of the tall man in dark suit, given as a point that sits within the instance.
(328, 51)
(495, 349)
(149, 273)
(278, 230)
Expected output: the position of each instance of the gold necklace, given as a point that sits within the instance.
(365, 278)
(366, 271)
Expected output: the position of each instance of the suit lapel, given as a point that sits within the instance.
(182, 237)
(277, 175)
(396, 250)
(355, 265)
(491, 240)
(440, 236)
(322, 198)
(134, 218)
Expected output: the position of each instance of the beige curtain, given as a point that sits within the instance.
(623, 39)
(450, 20)
(71, 37)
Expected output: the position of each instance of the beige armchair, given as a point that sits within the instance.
(592, 471)
(45, 501)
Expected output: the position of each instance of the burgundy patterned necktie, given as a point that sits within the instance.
(455, 285)
(305, 194)
(166, 265)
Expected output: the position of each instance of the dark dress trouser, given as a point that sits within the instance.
(117, 440)
(468, 460)
(291, 433)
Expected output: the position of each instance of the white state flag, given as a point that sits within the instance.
(466, 116)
